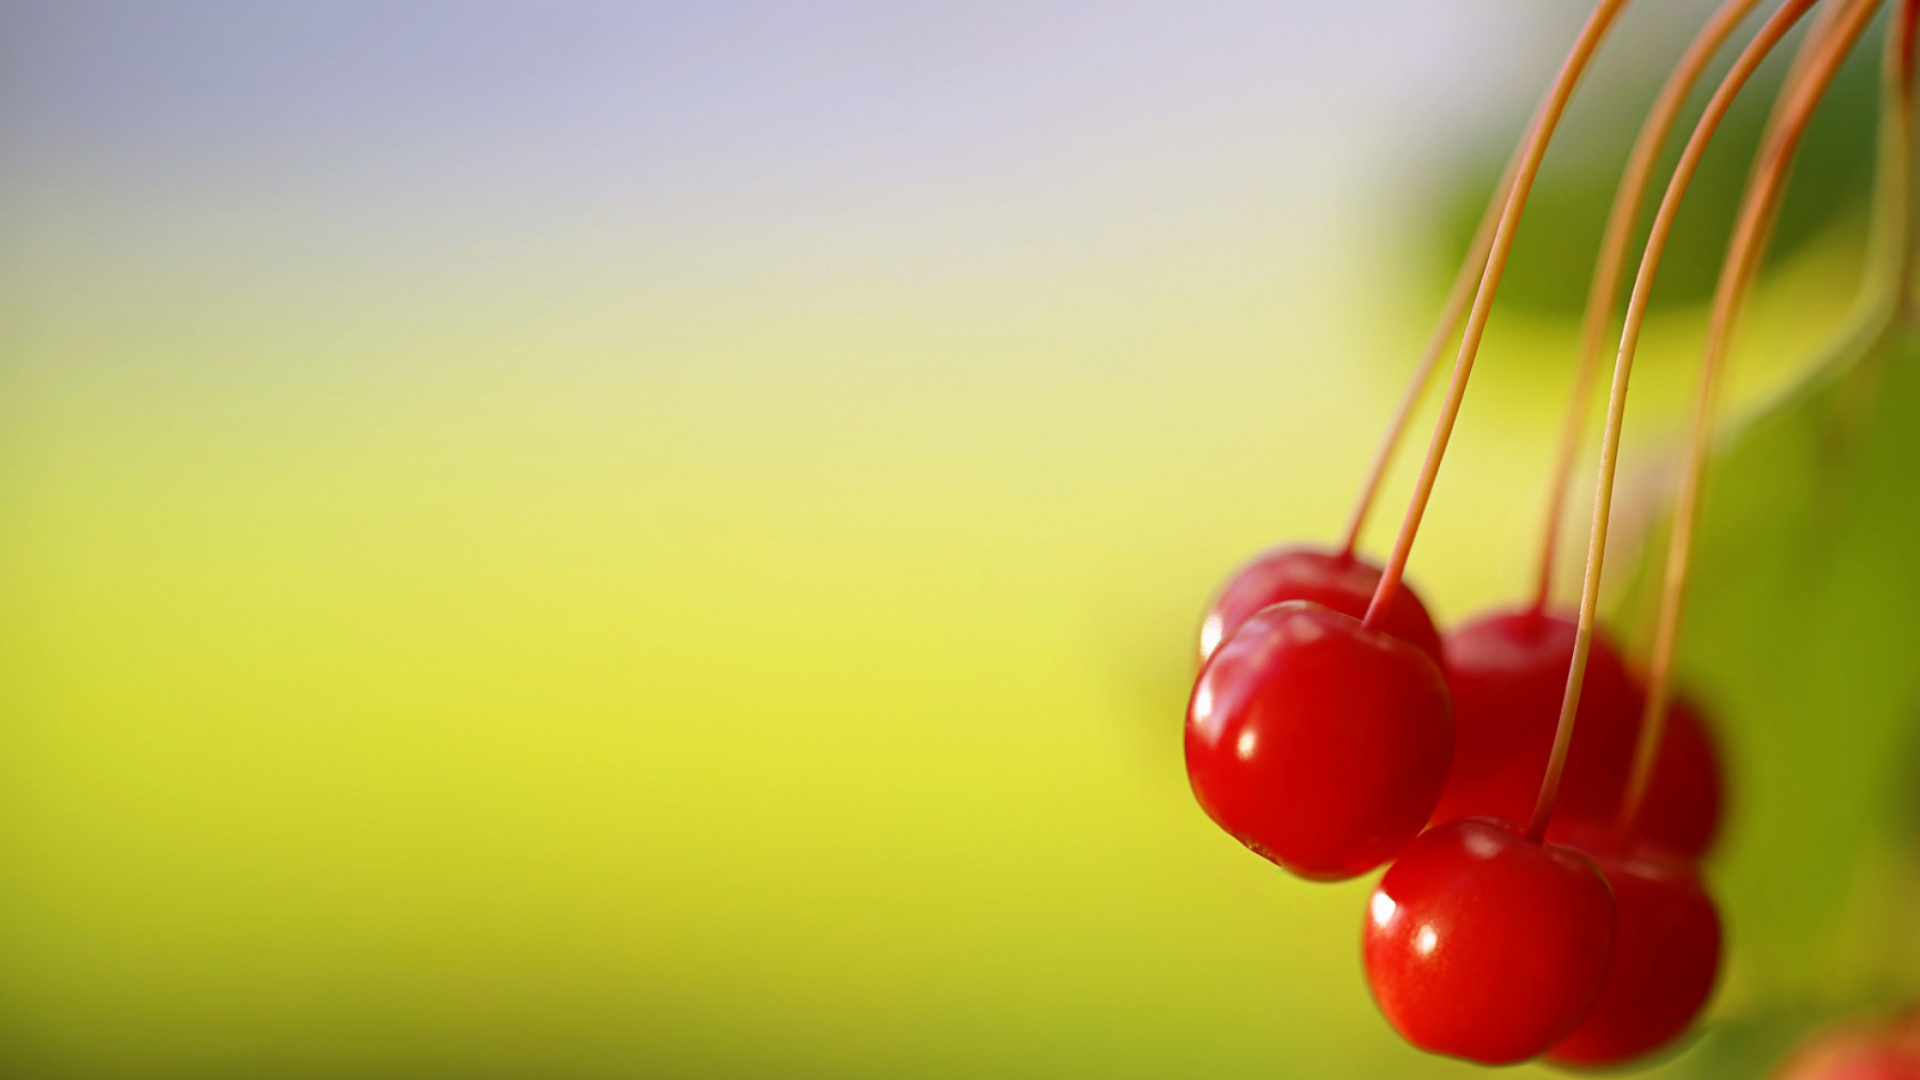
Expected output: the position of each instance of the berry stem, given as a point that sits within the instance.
(1603, 293)
(1817, 31)
(1459, 295)
(1758, 207)
(1804, 58)
(1770, 33)
(1899, 137)
(1534, 148)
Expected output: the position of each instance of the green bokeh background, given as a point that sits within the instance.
(470, 606)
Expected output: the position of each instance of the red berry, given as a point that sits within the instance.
(1342, 582)
(1859, 1051)
(1680, 814)
(1316, 742)
(1682, 809)
(1485, 945)
(1508, 671)
(1666, 955)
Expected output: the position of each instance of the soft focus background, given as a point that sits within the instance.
(663, 539)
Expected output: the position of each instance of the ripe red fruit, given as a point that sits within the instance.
(1316, 742)
(1870, 1050)
(1342, 582)
(1508, 671)
(1485, 945)
(1666, 955)
(1682, 809)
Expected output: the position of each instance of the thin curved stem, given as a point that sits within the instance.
(1900, 74)
(1763, 43)
(1459, 295)
(1817, 31)
(1597, 25)
(1757, 211)
(1603, 293)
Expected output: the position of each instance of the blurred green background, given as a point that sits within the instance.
(664, 539)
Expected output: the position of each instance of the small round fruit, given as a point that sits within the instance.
(1666, 956)
(1485, 945)
(1686, 796)
(1343, 582)
(1317, 742)
(1682, 809)
(1508, 672)
(1858, 1050)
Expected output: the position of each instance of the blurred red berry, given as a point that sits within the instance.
(1860, 1050)
(1666, 957)
(1507, 671)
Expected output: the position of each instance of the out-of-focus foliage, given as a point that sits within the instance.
(1802, 633)
(1553, 251)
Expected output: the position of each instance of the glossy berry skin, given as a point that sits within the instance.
(1344, 583)
(1316, 742)
(1666, 957)
(1507, 671)
(1861, 1050)
(1485, 945)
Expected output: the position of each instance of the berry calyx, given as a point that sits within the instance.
(1485, 945)
(1316, 742)
(1666, 956)
(1507, 671)
(1342, 581)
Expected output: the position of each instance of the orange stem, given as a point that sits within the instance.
(1757, 210)
(1900, 79)
(1763, 43)
(1609, 268)
(1817, 31)
(1459, 295)
(1597, 25)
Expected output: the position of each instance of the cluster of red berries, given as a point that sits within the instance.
(1543, 812)
(1332, 746)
